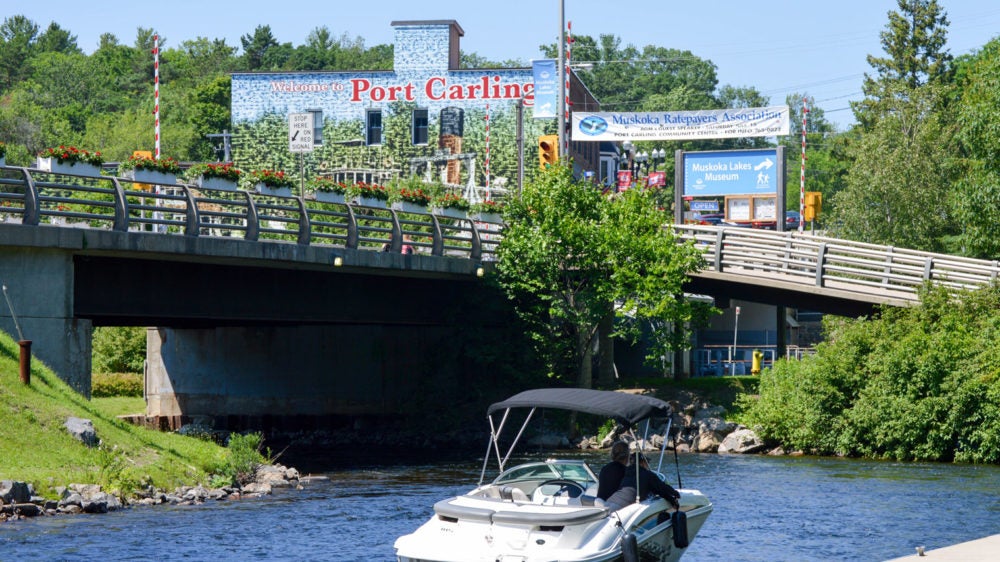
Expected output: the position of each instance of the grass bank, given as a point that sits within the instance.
(36, 447)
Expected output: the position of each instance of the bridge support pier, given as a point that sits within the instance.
(298, 374)
(40, 288)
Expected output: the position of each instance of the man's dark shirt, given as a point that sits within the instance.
(649, 483)
(610, 479)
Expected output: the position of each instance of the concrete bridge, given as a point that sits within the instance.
(280, 304)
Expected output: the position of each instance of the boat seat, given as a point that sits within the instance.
(512, 494)
(591, 501)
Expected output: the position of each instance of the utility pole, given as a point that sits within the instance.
(227, 148)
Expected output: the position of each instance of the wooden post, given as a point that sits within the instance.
(25, 361)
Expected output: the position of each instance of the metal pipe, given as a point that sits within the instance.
(25, 364)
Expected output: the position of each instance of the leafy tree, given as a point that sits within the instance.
(255, 47)
(913, 384)
(977, 201)
(119, 350)
(827, 159)
(57, 40)
(914, 42)
(569, 254)
(18, 35)
(899, 186)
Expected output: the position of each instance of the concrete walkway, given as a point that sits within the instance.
(981, 550)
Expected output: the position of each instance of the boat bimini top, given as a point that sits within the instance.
(626, 409)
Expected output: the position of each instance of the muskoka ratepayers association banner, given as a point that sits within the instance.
(681, 125)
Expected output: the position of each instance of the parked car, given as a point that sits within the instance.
(712, 219)
(792, 220)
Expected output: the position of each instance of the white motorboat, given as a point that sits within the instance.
(547, 510)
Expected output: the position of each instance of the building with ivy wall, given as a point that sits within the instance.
(426, 117)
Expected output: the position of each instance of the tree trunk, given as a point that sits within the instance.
(606, 348)
(585, 352)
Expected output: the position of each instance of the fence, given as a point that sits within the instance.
(34, 197)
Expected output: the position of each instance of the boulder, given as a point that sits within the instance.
(83, 430)
(742, 442)
(707, 442)
(12, 491)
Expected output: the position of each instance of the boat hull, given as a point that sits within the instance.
(468, 529)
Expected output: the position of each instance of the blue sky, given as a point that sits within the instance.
(778, 46)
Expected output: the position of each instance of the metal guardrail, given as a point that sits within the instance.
(834, 263)
(34, 197)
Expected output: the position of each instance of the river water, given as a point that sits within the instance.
(766, 508)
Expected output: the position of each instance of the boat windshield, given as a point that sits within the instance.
(577, 471)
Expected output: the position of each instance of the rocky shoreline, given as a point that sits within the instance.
(18, 499)
(696, 427)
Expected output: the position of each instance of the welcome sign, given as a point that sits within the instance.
(681, 125)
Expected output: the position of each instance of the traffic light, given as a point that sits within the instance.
(548, 150)
(814, 204)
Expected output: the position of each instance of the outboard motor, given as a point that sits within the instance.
(679, 523)
(630, 548)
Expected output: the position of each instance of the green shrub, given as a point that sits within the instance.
(246, 454)
(105, 385)
(119, 349)
(919, 383)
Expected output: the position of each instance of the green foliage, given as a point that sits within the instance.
(569, 253)
(914, 44)
(245, 454)
(898, 188)
(914, 384)
(36, 448)
(115, 471)
(119, 349)
(106, 385)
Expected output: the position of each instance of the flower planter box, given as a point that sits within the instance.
(331, 197)
(215, 183)
(408, 207)
(488, 217)
(151, 176)
(265, 189)
(78, 168)
(371, 202)
(450, 212)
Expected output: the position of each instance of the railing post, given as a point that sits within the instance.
(121, 207)
(305, 225)
(31, 214)
(719, 237)
(253, 221)
(396, 238)
(820, 258)
(437, 247)
(476, 251)
(191, 228)
(352, 229)
(928, 268)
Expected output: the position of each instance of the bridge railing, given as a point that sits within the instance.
(832, 262)
(34, 197)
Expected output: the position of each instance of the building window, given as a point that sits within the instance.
(373, 127)
(419, 126)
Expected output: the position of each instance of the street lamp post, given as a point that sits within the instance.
(658, 156)
(641, 163)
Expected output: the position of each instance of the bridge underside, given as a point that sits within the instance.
(775, 292)
(112, 291)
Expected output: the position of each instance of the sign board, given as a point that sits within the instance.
(546, 88)
(731, 172)
(711, 206)
(681, 125)
(300, 132)
(657, 179)
(624, 179)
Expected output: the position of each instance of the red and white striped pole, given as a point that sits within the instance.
(156, 93)
(566, 104)
(487, 152)
(802, 175)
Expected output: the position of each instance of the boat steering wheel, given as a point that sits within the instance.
(559, 487)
